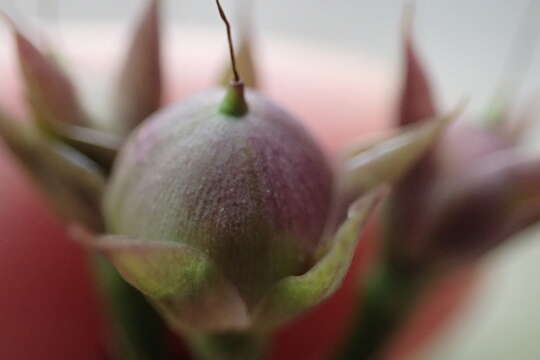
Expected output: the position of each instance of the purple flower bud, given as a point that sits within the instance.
(253, 193)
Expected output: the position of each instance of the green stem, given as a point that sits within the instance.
(228, 346)
(138, 329)
(388, 294)
(234, 104)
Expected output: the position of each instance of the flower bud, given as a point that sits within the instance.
(249, 194)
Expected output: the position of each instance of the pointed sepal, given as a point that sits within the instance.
(99, 146)
(73, 182)
(389, 159)
(52, 97)
(296, 294)
(416, 102)
(181, 281)
(139, 86)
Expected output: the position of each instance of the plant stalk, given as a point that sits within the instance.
(389, 292)
(138, 331)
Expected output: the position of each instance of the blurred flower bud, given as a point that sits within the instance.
(217, 210)
(245, 198)
(487, 206)
(452, 204)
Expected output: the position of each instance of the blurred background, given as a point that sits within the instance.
(465, 45)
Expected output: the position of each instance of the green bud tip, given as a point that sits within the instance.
(234, 103)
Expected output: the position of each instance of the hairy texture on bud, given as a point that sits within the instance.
(253, 193)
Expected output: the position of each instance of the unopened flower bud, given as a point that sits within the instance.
(251, 194)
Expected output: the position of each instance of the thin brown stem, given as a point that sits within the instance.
(230, 40)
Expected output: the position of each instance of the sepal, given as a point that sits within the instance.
(386, 161)
(183, 283)
(72, 182)
(140, 82)
(416, 102)
(99, 146)
(51, 95)
(296, 294)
